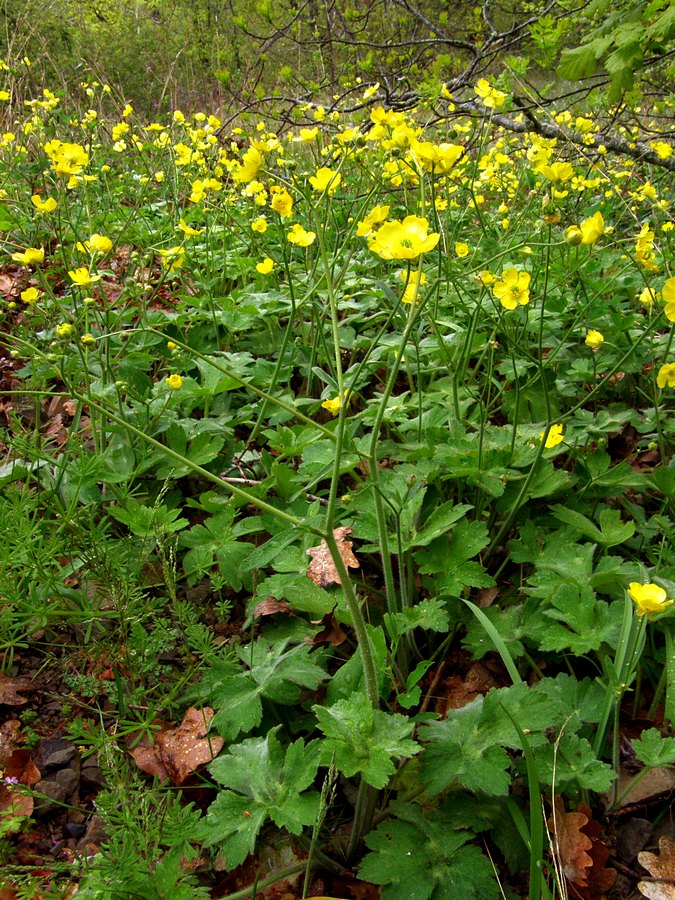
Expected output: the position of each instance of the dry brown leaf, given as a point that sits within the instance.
(322, 569)
(20, 765)
(10, 732)
(177, 752)
(600, 880)
(571, 843)
(660, 866)
(9, 688)
(270, 606)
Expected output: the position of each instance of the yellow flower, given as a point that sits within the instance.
(64, 330)
(260, 225)
(375, 217)
(412, 288)
(251, 163)
(67, 159)
(307, 135)
(647, 296)
(436, 157)
(486, 278)
(403, 240)
(491, 97)
(43, 206)
(297, 235)
(557, 172)
(326, 180)
(644, 249)
(555, 436)
(31, 256)
(173, 258)
(592, 228)
(188, 230)
(594, 339)
(98, 243)
(666, 376)
(461, 249)
(88, 340)
(648, 598)
(282, 202)
(668, 296)
(82, 277)
(30, 295)
(334, 404)
(174, 382)
(266, 266)
(514, 288)
(663, 150)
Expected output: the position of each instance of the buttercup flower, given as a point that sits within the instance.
(31, 256)
(174, 382)
(557, 172)
(666, 376)
(514, 288)
(668, 297)
(592, 228)
(98, 243)
(412, 288)
(64, 330)
(648, 598)
(282, 202)
(461, 249)
(266, 266)
(83, 277)
(594, 339)
(187, 230)
(555, 436)
(260, 225)
(491, 97)
(297, 235)
(43, 206)
(375, 217)
(30, 295)
(334, 404)
(403, 240)
(326, 180)
(173, 258)
(647, 296)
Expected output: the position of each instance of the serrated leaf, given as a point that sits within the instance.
(263, 781)
(417, 859)
(572, 760)
(275, 671)
(438, 523)
(364, 739)
(430, 614)
(582, 62)
(653, 749)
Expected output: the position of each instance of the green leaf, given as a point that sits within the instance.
(653, 749)
(438, 523)
(364, 739)
(449, 560)
(416, 859)
(463, 751)
(430, 614)
(586, 623)
(275, 672)
(571, 760)
(582, 62)
(7, 219)
(263, 782)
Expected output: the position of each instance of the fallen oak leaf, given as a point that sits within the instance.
(661, 867)
(322, 570)
(177, 752)
(571, 843)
